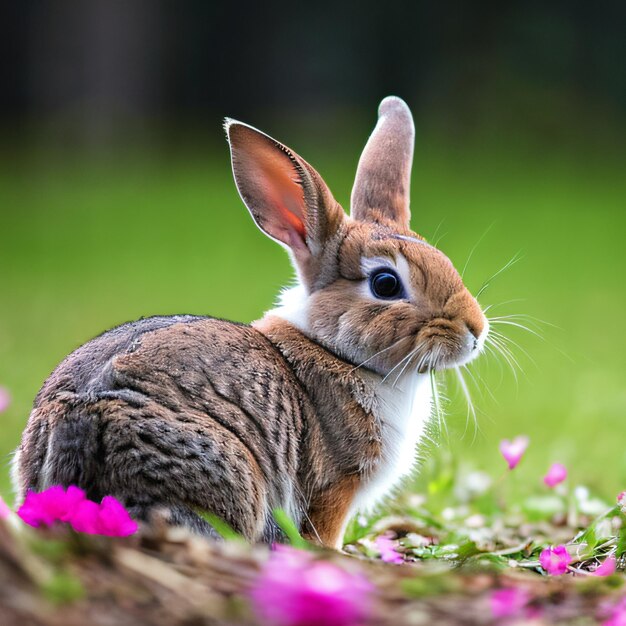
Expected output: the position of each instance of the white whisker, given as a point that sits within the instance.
(393, 345)
(486, 284)
(474, 248)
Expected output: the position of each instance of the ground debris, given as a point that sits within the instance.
(175, 578)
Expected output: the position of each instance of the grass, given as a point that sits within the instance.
(87, 244)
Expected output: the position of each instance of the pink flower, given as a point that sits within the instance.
(114, 520)
(5, 399)
(513, 451)
(4, 509)
(294, 589)
(85, 518)
(621, 500)
(508, 602)
(616, 613)
(387, 550)
(607, 567)
(556, 474)
(555, 560)
(57, 504)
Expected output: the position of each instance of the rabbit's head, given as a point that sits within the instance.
(370, 290)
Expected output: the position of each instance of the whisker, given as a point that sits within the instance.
(507, 322)
(499, 349)
(531, 319)
(479, 383)
(512, 262)
(393, 345)
(408, 356)
(468, 399)
(437, 230)
(498, 304)
(474, 248)
(434, 387)
(504, 338)
(498, 340)
(403, 369)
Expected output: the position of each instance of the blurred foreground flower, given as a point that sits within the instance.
(556, 474)
(4, 509)
(513, 451)
(70, 505)
(616, 614)
(508, 602)
(607, 567)
(387, 550)
(294, 589)
(5, 399)
(555, 560)
(55, 504)
(621, 500)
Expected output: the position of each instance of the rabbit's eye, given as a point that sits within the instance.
(385, 284)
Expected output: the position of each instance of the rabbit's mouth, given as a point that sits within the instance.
(447, 347)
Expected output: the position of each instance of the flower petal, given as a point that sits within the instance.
(5, 399)
(607, 567)
(4, 509)
(513, 451)
(114, 519)
(555, 560)
(295, 590)
(556, 474)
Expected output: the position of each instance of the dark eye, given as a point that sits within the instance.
(385, 284)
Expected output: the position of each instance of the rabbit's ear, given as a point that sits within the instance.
(383, 177)
(287, 198)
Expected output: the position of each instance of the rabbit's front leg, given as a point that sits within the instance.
(328, 512)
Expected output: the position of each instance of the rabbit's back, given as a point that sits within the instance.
(191, 413)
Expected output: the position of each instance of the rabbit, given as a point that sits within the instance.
(318, 408)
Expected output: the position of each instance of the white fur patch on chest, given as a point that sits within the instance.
(403, 409)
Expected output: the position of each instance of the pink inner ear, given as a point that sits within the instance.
(268, 179)
(275, 176)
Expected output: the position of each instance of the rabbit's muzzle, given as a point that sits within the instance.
(453, 338)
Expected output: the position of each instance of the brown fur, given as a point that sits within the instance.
(186, 414)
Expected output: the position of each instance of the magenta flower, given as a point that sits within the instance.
(607, 567)
(85, 518)
(4, 509)
(556, 474)
(55, 504)
(555, 560)
(5, 399)
(114, 520)
(508, 602)
(513, 451)
(294, 589)
(621, 500)
(387, 550)
(70, 505)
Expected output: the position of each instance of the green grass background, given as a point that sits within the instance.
(92, 241)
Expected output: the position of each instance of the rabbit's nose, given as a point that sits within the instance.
(475, 327)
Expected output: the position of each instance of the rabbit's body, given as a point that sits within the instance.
(318, 408)
(169, 398)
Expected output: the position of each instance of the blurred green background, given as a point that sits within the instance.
(117, 201)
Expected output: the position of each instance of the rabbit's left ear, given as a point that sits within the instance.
(383, 178)
(287, 198)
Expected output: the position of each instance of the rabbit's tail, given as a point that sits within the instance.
(60, 446)
(64, 445)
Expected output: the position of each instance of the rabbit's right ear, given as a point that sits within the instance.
(287, 198)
